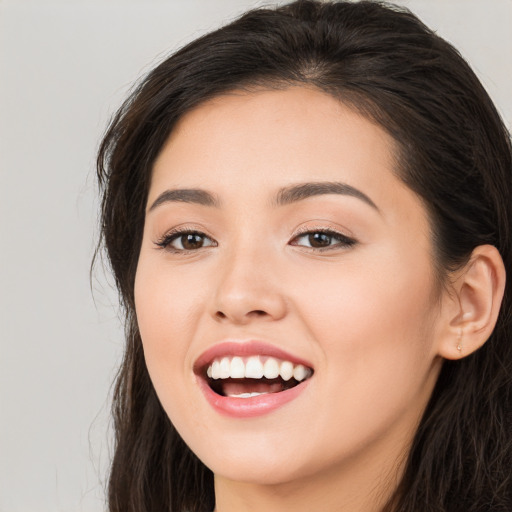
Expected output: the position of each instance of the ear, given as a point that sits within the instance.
(473, 304)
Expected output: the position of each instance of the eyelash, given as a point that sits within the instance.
(343, 241)
(166, 241)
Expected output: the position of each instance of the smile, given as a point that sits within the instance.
(253, 376)
(250, 379)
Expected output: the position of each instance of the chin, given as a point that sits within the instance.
(259, 471)
(251, 458)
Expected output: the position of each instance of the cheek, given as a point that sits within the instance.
(166, 299)
(375, 332)
(166, 309)
(377, 295)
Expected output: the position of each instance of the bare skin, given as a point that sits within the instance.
(342, 279)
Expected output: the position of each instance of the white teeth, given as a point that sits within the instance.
(237, 368)
(247, 395)
(286, 370)
(225, 368)
(271, 368)
(215, 370)
(300, 372)
(253, 368)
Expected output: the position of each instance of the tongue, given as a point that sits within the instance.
(237, 387)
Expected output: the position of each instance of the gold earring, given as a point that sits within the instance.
(459, 343)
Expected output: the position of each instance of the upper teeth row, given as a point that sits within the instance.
(254, 368)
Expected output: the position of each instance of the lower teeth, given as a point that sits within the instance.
(247, 395)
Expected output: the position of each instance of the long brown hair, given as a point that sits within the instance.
(453, 151)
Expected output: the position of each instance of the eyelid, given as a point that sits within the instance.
(323, 228)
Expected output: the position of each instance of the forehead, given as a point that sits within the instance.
(296, 131)
(263, 140)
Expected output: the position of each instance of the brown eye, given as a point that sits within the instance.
(322, 240)
(319, 240)
(191, 241)
(185, 241)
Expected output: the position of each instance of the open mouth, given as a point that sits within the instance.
(246, 377)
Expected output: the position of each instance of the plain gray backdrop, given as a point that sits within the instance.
(64, 69)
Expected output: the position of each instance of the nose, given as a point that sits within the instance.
(248, 289)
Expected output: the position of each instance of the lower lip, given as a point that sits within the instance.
(253, 406)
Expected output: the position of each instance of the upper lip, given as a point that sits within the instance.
(244, 348)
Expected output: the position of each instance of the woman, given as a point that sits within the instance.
(307, 213)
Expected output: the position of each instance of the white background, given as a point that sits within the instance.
(64, 68)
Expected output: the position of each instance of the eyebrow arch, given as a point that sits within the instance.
(186, 195)
(303, 191)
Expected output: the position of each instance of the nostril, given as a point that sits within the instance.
(255, 313)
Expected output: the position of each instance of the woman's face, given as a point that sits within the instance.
(279, 241)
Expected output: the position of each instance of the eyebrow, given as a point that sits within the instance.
(186, 195)
(303, 191)
(285, 196)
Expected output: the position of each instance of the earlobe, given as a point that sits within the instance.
(476, 299)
